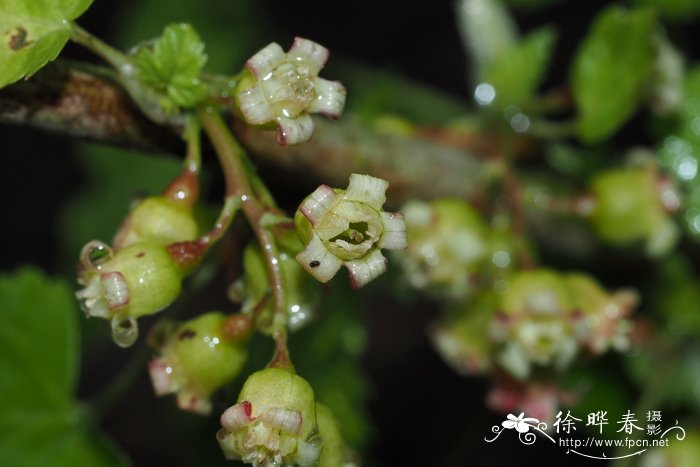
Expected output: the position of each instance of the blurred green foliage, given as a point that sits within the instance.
(41, 423)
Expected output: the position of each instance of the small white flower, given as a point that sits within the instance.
(348, 228)
(285, 88)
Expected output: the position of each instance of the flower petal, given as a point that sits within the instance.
(318, 203)
(367, 189)
(116, 290)
(294, 130)
(330, 98)
(236, 416)
(318, 261)
(315, 55)
(394, 236)
(265, 60)
(283, 419)
(161, 377)
(363, 271)
(254, 105)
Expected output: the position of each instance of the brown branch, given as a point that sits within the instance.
(83, 101)
(86, 102)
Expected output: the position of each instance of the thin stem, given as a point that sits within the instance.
(191, 134)
(232, 159)
(111, 55)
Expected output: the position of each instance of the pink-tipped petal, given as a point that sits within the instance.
(318, 203)
(237, 416)
(318, 261)
(294, 130)
(161, 377)
(116, 290)
(363, 271)
(394, 235)
(254, 106)
(265, 60)
(283, 419)
(192, 402)
(330, 98)
(367, 189)
(315, 55)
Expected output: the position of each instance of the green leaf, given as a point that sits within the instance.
(33, 33)
(487, 29)
(174, 64)
(40, 424)
(517, 72)
(611, 69)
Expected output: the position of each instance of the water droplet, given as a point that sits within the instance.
(484, 94)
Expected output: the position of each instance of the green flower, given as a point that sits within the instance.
(195, 360)
(631, 205)
(448, 247)
(348, 228)
(285, 88)
(138, 280)
(273, 422)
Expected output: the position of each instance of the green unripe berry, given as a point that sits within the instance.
(195, 360)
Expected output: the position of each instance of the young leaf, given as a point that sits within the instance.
(39, 420)
(33, 33)
(516, 73)
(611, 70)
(174, 63)
(487, 31)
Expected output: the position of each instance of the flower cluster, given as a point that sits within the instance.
(285, 88)
(546, 319)
(348, 228)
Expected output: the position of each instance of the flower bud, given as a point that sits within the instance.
(348, 228)
(157, 219)
(273, 422)
(138, 280)
(631, 207)
(447, 248)
(285, 88)
(195, 360)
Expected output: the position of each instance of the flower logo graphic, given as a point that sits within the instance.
(520, 423)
